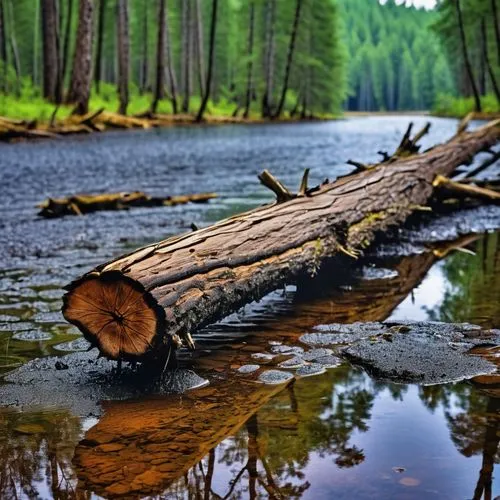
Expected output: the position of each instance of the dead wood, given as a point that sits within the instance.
(464, 190)
(133, 307)
(86, 203)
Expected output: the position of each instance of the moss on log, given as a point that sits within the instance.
(191, 280)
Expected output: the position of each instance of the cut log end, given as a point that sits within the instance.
(115, 314)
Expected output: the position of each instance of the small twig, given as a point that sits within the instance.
(464, 123)
(281, 192)
(303, 183)
(385, 156)
(360, 167)
(465, 189)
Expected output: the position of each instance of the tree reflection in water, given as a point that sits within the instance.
(237, 439)
(36, 449)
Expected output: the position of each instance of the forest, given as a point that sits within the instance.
(261, 58)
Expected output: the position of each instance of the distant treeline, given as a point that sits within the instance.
(246, 57)
(470, 32)
(396, 62)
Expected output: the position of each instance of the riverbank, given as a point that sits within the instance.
(12, 130)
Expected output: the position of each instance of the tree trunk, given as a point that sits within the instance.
(496, 27)
(79, 91)
(186, 54)
(123, 45)
(14, 49)
(251, 27)
(465, 55)
(50, 50)
(211, 51)
(100, 45)
(269, 61)
(66, 43)
(170, 65)
(3, 48)
(36, 36)
(145, 57)
(484, 43)
(160, 58)
(289, 59)
(137, 305)
(199, 47)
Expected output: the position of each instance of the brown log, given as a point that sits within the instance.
(86, 203)
(139, 305)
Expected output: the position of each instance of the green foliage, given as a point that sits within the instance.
(393, 56)
(480, 49)
(447, 105)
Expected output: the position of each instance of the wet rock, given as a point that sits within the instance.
(286, 349)
(310, 370)
(336, 334)
(16, 327)
(263, 356)
(275, 377)
(316, 353)
(79, 344)
(291, 363)
(32, 336)
(423, 352)
(248, 369)
(329, 361)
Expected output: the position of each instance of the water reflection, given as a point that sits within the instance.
(472, 290)
(340, 434)
(36, 451)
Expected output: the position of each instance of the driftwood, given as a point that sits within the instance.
(85, 203)
(140, 305)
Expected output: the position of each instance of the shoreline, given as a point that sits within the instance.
(12, 130)
(17, 130)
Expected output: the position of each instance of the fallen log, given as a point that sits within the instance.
(141, 305)
(85, 203)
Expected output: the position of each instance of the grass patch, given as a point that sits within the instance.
(458, 107)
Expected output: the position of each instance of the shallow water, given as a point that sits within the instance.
(340, 434)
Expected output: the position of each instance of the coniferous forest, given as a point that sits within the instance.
(262, 58)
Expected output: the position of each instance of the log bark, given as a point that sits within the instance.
(139, 305)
